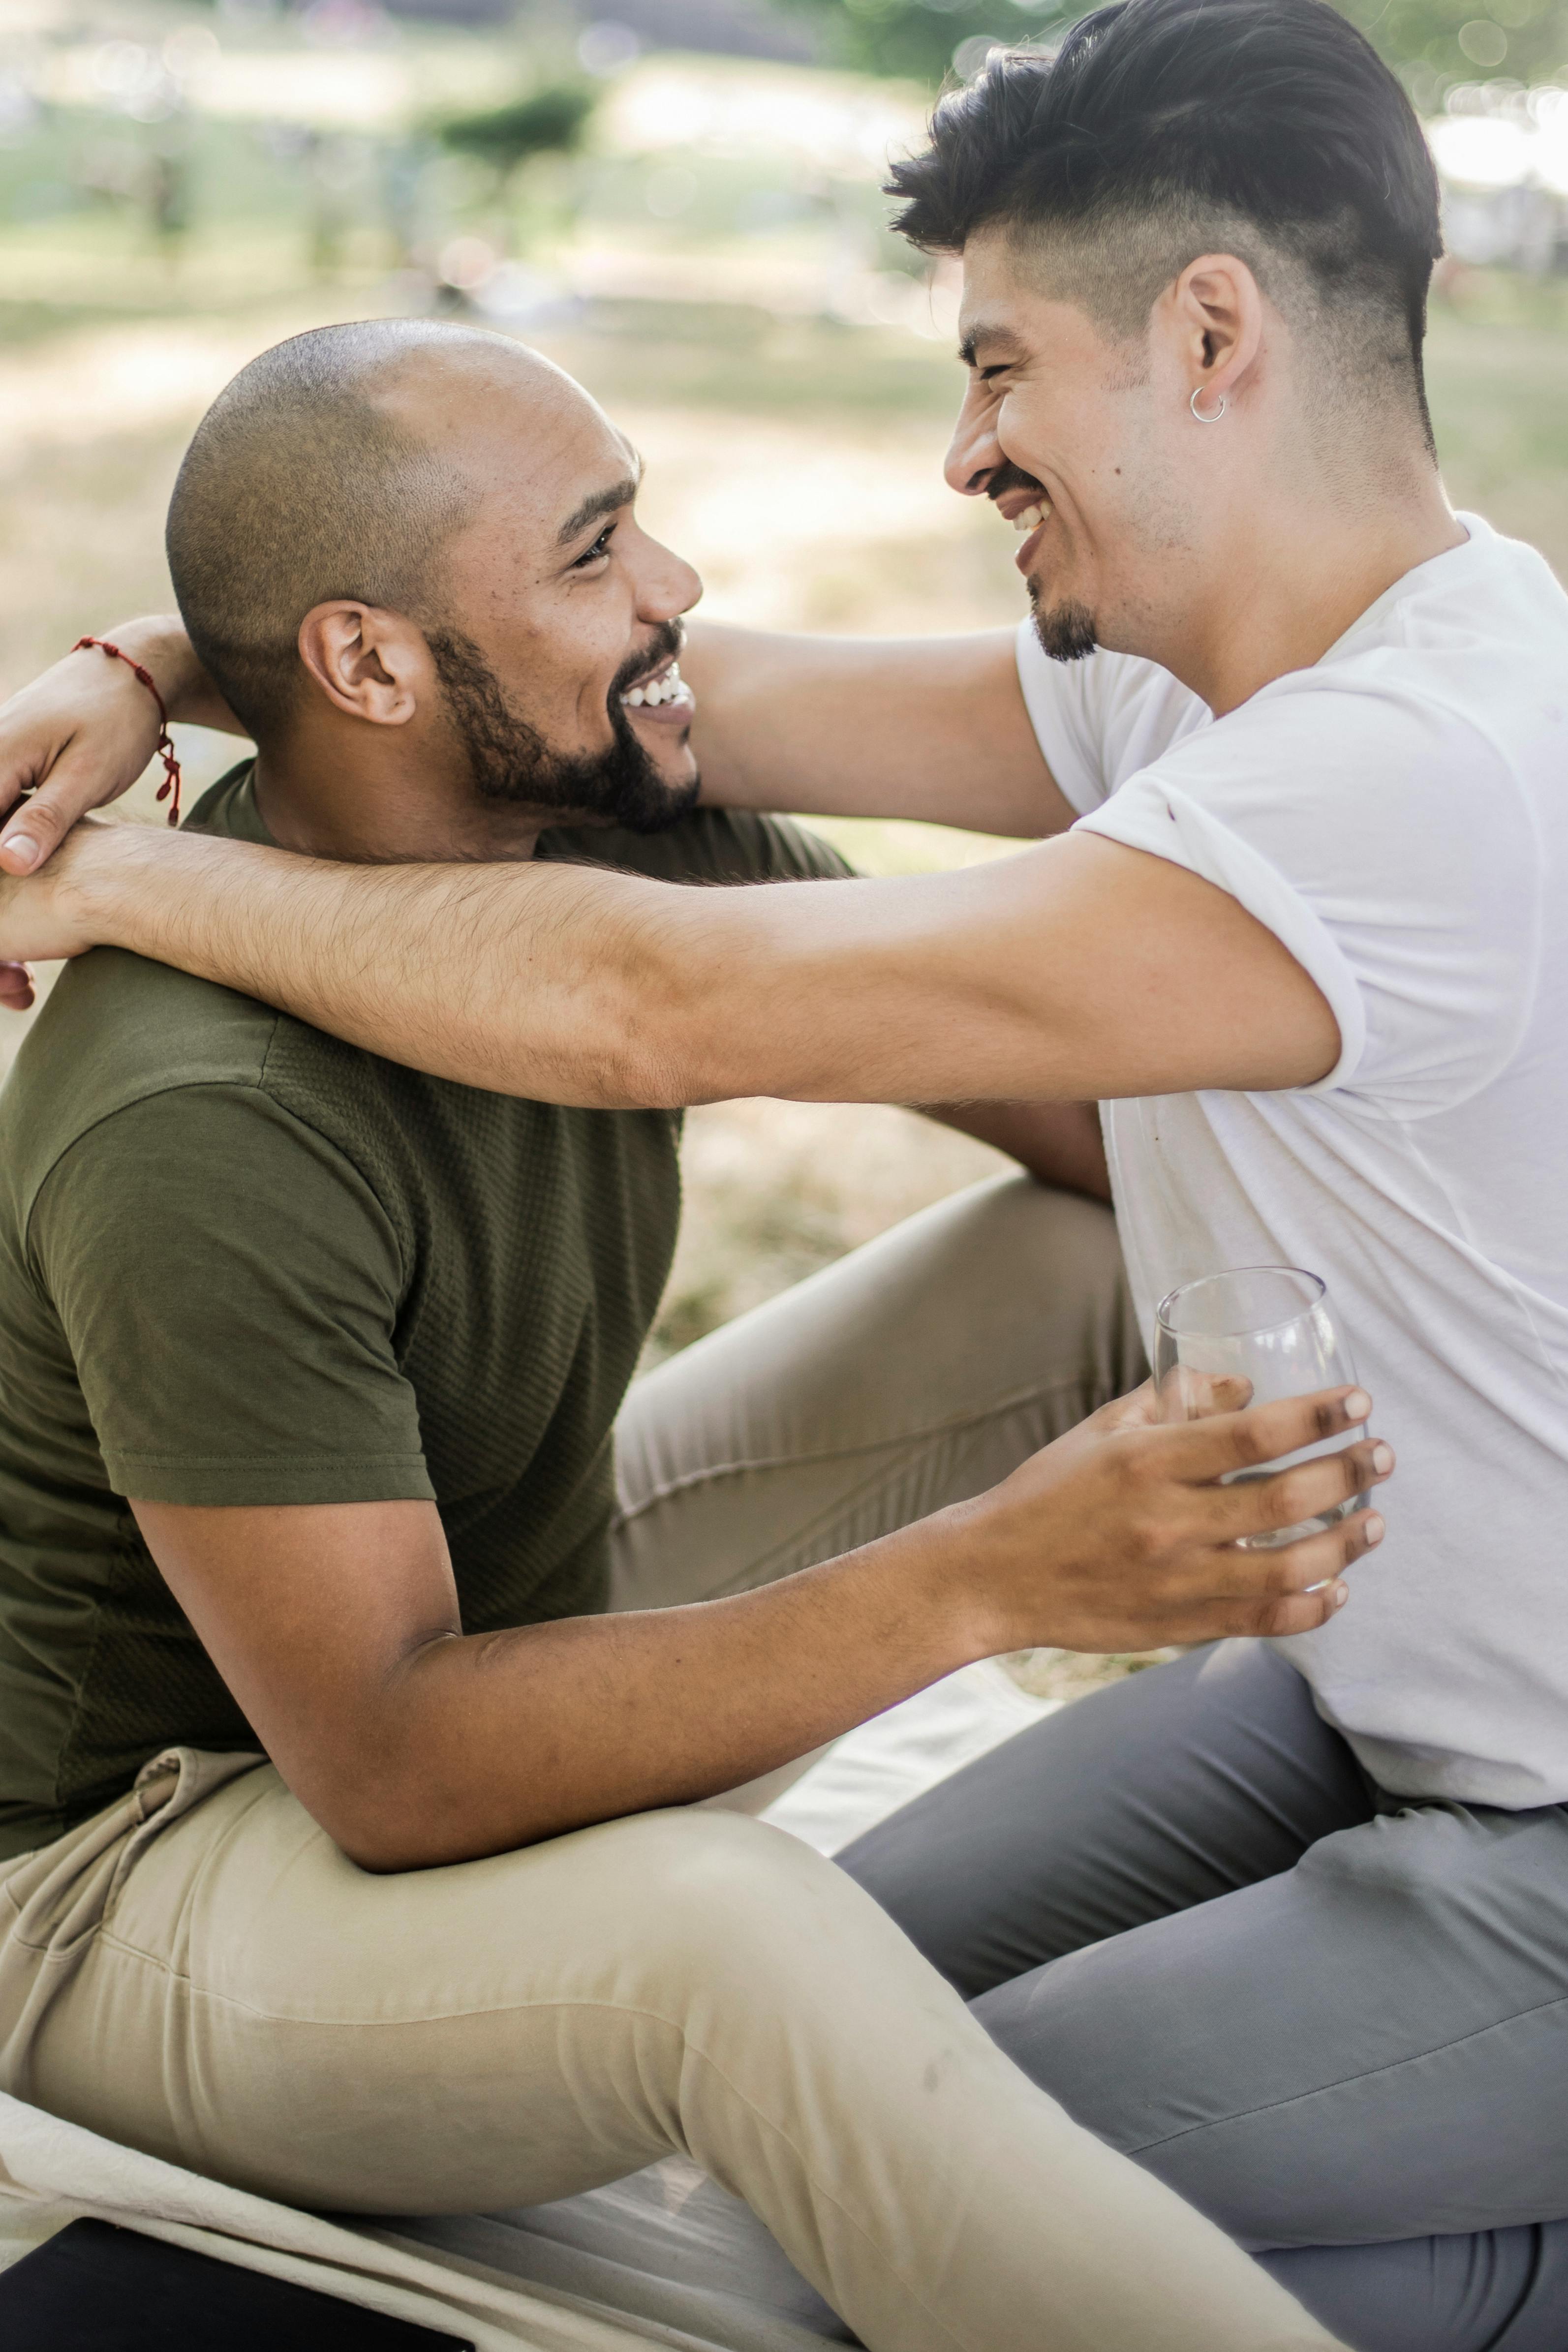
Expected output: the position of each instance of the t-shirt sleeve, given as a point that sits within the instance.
(1384, 841)
(1100, 720)
(229, 1285)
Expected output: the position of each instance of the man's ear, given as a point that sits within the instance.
(369, 664)
(1216, 311)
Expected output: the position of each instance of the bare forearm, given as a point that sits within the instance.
(537, 981)
(926, 727)
(484, 1743)
(1059, 1142)
(158, 641)
(1072, 970)
(336, 1627)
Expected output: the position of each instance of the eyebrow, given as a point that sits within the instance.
(983, 332)
(597, 503)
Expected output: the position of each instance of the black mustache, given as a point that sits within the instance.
(1009, 476)
(665, 645)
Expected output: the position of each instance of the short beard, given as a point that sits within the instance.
(511, 760)
(1066, 632)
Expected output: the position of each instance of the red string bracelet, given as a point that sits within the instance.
(165, 747)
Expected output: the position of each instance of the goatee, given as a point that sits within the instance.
(1065, 631)
(511, 760)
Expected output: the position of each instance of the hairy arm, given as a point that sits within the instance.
(1059, 1142)
(913, 727)
(1075, 971)
(337, 1627)
(930, 727)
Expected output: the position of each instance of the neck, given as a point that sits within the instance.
(1291, 574)
(348, 794)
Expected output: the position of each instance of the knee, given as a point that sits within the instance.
(1399, 1866)
(724, 1899)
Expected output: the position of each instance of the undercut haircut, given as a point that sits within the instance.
(300, 488)
(1166, 129)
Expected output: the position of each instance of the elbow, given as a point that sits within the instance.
(376, 1838)
(386, 1813)
(421, 1819)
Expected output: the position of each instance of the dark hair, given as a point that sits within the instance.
(298, 487)
(1160, 120)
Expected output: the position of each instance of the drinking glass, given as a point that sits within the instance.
(1273, 1327)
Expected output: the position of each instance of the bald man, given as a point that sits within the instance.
(314, 1366)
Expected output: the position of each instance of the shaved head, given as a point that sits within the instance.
(448, 502)
(307, 482)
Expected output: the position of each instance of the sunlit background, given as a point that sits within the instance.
(678, 200)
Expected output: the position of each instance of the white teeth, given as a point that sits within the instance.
(1030, 519)
(670, 687)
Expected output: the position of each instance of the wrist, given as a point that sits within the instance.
(95, 876)
(158, 641)
(943, 1587)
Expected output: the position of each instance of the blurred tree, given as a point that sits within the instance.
(549, 122)
(1469, 40)
(918, 39)
(1452, 40)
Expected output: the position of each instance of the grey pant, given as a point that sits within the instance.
(1336, 2021)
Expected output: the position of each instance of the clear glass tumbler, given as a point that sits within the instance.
(1270, 1326)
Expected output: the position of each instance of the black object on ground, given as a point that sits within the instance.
(95, 2288)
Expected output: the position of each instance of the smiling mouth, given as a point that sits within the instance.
(662, 688)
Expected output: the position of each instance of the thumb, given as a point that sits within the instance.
(15, 987)
(76, 785)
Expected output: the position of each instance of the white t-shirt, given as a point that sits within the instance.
(1398, 816)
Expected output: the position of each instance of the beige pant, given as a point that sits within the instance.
(199, 1972)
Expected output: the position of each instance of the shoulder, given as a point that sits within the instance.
(711, 846)
(116, 1030)
(136, 1074)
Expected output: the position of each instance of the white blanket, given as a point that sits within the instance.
(664, 2258)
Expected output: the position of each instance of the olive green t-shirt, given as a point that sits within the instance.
(244, 1263)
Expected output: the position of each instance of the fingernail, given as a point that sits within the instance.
(1342, 1594)
(1383, 1459)
(22, 850)
(1374, 1528)
(1358, 1404)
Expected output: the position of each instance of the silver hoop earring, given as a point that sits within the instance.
(1197, 412)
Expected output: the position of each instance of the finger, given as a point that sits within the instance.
(1187, 1395)
(76, 785)
(1301, 1613)
(16, 992)
(1221, 1620)
(1239, 1441)
(1233, 1571)
(1256, 1507)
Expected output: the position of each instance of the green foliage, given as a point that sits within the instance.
(916, 38)
(1439, 41)
(1469, 40)
(550, 120)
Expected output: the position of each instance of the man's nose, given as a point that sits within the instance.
(974, 453)
(667, 586)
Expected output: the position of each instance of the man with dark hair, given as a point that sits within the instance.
(1289, 1921)
(314, 1372)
